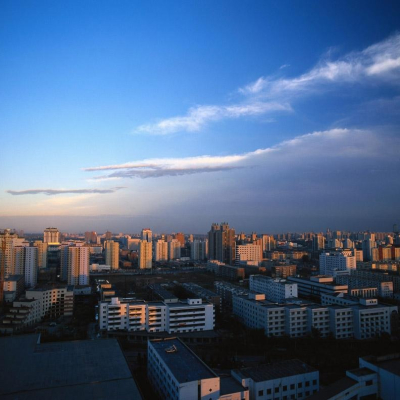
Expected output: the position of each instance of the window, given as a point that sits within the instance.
(314, 382)
(277, 389)
(269, 391)
(261, 392)
(284, 388)
(307, 384)
(299, 385)
(369, 383)
(292, 386)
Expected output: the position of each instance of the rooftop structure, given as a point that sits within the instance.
(64, 370)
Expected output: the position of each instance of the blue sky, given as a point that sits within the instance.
(272, 115)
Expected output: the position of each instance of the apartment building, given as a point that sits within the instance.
(227, 290)
(138, 315)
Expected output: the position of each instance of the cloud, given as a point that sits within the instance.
(352, 143)
(379, 61)
(199, 116)
(53, 192)
(273, 94)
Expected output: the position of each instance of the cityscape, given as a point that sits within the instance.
(199, 200)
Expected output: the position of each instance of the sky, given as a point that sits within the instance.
(273, 116)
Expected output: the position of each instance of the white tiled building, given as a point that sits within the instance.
(285, 380)
(336, 261)
(276, 290)
(136, 315)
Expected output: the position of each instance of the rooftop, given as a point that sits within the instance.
(229, 385)
(332, 390)
(64, 370)
(183, 363)
(276, 370)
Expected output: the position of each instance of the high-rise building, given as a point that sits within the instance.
(42, 253)
(268, 243)
(198, 249)
(51, 235)
(221, 243)
(112, 254)
(330, 263)
(30, 266)
(78, 265)
(174, 249)
(64, 254)
(181, 238)
(160, 250)
(145, 254)
(147, 234)
(91, 237)
(318, 243)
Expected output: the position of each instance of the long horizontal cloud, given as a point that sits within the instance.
(352, 143)
(53, 192)
(274, 94)
(379, 61)
(198, 116)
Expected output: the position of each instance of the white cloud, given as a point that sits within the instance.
(53, 192)
(349, 143)
(381, 60)
(199, 116)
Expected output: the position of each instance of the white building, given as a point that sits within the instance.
(276, 290)
(135, 315)
(336, 261)
(317, 285)
(289, 379)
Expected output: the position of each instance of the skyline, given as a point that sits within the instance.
(178, 115)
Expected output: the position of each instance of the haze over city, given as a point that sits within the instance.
(274, 116)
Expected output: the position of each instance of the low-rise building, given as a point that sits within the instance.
(138, 315)
(317, 285)
(276, 290)
(290, 379)
(175, 372)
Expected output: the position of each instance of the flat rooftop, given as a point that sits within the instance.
(330, 391)
(276, 370)
(183, 363)
(85, 369)
(230, 385)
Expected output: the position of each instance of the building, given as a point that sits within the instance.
(280, 270)
(221, 243)
(31, 266)
(205, 294)
(145, 254)
(230, 272)
(14, 285)
(277, 290)
(172, 317)
(199, 250)
(38, 370)
(51, 235)
(180, 237)
(315, 286)
(42, 253)
(289, 379)
(175, 372)
(248, 252)
(160, 250)
(91, 237)
(227, 290)
(147, 235)
(336, 261)
(375, 378)
(112, 254)
(318, 243)
(174, 249)
(78, 265)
